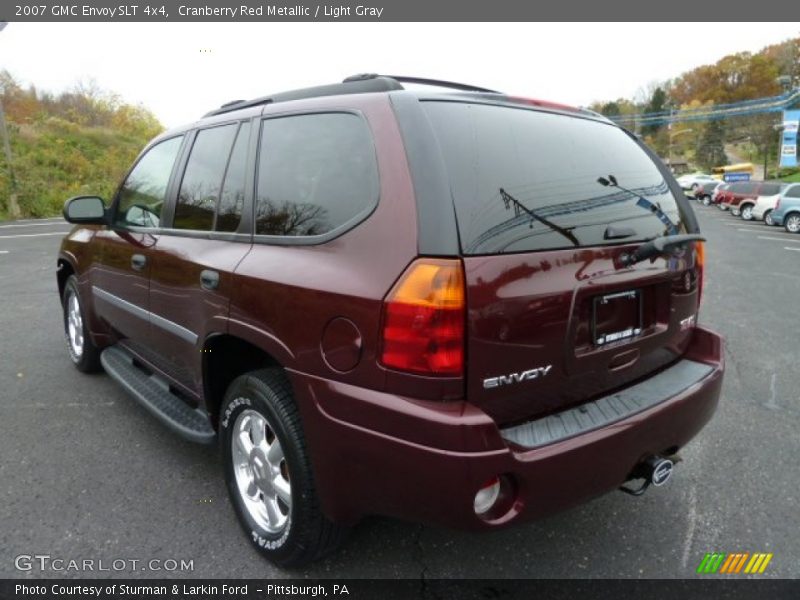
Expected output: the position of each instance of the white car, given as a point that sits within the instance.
(690, 181)
(762, 209)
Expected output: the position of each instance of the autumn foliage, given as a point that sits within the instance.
(78, 142)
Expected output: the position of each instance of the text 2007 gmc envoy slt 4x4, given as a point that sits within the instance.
(454, 307)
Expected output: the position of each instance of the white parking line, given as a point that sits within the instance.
(796, 249)
(48, 224)
(778, 239)
(750, 229)
(3, 251)
(24, 235)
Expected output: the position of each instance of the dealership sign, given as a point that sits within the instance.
(791, 122)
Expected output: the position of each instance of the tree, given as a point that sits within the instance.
(711, 152)
(656, 104)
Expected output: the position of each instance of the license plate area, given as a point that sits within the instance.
(616, 317)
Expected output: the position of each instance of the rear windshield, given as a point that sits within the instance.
(525, 180)
(769, 189)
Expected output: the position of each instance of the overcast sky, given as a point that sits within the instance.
(181, 70)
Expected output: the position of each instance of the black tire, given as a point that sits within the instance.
(768, 218)
(746, 212)
(86, 358)
(706, 200)
(307, 534)
(791, 223)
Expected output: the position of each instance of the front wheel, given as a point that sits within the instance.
(747, 213)
(268, 471)
(84, 354)
(768, 218)
(792, 223)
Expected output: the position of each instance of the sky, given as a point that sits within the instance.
(182, 70)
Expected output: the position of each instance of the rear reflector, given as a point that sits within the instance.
(423, 319)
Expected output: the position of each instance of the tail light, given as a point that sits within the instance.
(700, 267)
(423, 319)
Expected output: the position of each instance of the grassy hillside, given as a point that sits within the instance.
(80, 142)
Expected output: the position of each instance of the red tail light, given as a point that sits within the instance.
(423, 319)
(700, 267)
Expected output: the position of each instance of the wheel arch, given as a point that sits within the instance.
(226, 357)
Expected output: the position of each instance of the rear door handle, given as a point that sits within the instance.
(138, 262)
(209, 280)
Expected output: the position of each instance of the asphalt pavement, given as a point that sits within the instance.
(88, 474)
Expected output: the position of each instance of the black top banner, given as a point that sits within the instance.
(399, 10)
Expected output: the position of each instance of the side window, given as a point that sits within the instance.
(316, 172)
(794, 192)
(232, 197)
(202, 180)
(141, 197)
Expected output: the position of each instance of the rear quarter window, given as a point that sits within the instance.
(550, 165)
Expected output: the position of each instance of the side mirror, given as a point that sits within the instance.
(89, 210)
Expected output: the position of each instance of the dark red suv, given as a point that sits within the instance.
(454, 307)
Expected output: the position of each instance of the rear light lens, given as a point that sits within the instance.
(423, 320)
(700, 267)
(487, 495)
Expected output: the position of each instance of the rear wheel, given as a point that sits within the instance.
(706, 200)
(768, 218)
(268, 471)
(792, 223)
(747, 212)
(84, 354)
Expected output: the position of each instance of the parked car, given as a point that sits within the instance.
(719, 191)
(762, 209)
(691, 181)
(742, 204)
(787, 209)
(370, 313)
(705, 191)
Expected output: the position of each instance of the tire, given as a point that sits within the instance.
(792, 223)
(768, 218)
(706, 200)
(735, 212)
(747, 212)
(84, 354)
(272, 490)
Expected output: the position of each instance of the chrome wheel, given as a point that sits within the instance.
(747, 213)
(74, 326)
(261, 472)
(768, 218)
(793, 224)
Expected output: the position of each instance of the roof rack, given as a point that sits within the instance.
(356, 84)
(464, 87)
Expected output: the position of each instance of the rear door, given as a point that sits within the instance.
(554, 319)
(121, 280)
(194, 259)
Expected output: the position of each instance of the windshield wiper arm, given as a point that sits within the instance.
(658, 246)
(509, 199)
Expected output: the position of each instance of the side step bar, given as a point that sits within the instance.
(152, 392)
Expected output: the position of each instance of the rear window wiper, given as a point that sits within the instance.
(508, 199)
(658, 246)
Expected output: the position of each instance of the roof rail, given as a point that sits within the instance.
(362, 85)
(464, 87)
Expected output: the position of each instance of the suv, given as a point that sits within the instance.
(460, 308)
(787, 209)
(706, 190)
(743, 205)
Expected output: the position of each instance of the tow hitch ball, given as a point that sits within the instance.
(655, 470)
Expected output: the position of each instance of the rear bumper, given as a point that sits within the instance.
(376, 453)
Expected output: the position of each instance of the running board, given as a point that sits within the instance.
(153, 392)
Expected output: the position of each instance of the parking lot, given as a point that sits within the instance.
(87, 474)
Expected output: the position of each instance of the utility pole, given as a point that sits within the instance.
(12, 207)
